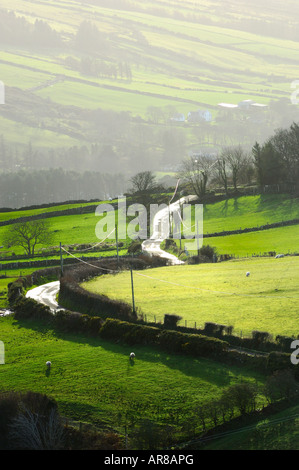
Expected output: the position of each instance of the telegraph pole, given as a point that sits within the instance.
(197, 238)
(61, 261)
(132, 285)
(116, 236)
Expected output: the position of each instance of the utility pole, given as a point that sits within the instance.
(197, 238)
(116, 235)
(61, 261)
(132, 285)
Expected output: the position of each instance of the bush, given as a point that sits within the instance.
(135, 247)
(193, 344)
(278, 361)
(130, 333)
(170, 245)
(71, 295)
(30, 309)
(284, 342)
(215, 329)
(208, 252)
(171, 321)
(260, 337)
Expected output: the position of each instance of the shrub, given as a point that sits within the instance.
(28, 308)
(260, 337)
(130, 333)
(170, 245)
(15, 290)
(284, 342)
(135, 247)
(278, 361)
(171, 321)
(208, 252)
(77, 322)
(193, 344)
(215, 329)
(72, 296)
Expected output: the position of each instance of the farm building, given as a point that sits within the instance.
(199, 116)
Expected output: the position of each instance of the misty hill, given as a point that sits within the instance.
(117, 80)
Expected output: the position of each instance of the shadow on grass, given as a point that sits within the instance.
(209, 370)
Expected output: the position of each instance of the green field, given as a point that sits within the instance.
(232, 214)
(93, 380)
(267, 300)
(249, 211)
(281, 240)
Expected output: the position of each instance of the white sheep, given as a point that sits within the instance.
(48, 364)
(132, 355)
(247, 274)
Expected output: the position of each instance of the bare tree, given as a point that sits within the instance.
(236, 159)
(29, 430)
(144, 181)
(28, 235)
(196, 172)
(221, 168)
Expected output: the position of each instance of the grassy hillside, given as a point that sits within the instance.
(249, 211)
(267, 300)
(93, 380)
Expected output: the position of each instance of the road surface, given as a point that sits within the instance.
(46, 294)
(161, 230)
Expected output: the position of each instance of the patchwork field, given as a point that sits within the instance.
(180, 58)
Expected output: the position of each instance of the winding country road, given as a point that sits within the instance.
(46, 293)
(161, 230)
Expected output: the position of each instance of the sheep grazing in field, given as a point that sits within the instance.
(132, 355)
(48, 364)
(247, 274)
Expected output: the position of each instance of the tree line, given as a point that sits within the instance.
(26, 188)
(16, 30)
(274, 162)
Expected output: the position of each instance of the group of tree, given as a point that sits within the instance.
(16, 30)
(274, 162)
(277, 160)
(243, 398)
(88, 65)
(231, 166)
